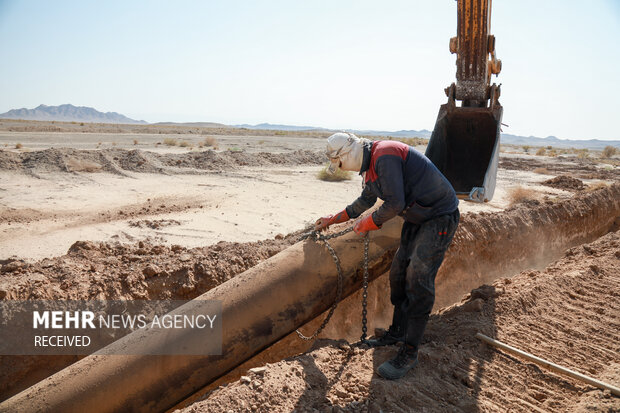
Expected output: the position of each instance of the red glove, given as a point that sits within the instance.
(364, 225)
(325, 222)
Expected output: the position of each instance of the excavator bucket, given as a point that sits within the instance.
(465, 142)
(465, 147)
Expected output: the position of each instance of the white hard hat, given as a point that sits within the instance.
(338, 145)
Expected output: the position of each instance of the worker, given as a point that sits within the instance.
(412, 187)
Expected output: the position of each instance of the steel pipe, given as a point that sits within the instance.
(259, 307)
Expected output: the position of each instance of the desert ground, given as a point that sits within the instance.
(172, 211)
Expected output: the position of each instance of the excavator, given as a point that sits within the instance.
(464, 145)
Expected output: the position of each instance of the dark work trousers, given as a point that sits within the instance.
(412, 275)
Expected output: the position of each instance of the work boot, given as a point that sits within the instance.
(387, 339)
(405, 360)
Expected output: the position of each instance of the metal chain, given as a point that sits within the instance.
(365, 293)
(317, 236)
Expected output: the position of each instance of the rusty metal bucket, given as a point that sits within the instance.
(465, 147)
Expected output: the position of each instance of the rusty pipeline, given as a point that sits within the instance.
(259, 307)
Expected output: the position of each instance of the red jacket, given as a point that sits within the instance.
(406, 180)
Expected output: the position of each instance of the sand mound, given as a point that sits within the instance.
(564, 314)
(133, 271)
(565, 182)
(120, 161)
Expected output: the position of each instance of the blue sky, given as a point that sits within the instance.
(337, 64)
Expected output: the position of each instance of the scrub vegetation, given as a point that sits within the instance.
(609, 151)
(337, 176)
(210, 141)
(520, 194)
(410, 141)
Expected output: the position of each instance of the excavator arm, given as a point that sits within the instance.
(475, 50)
(464, 144)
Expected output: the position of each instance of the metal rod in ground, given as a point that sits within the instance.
(551, 366)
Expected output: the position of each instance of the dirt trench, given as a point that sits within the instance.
(525, 236)
(568, 313)
(486, 247)
(116, 271)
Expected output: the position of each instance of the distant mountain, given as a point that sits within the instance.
(398, 134)
(424, 133)
(558, 143)
(194, 124)
(67, 113)
(596, 144)
(70, 113)
(271, 126)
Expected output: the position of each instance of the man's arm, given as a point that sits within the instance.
(366, 200)
(361, 204)
(390, 176)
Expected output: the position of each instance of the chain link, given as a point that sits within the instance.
(317, 236)
(365, 292)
